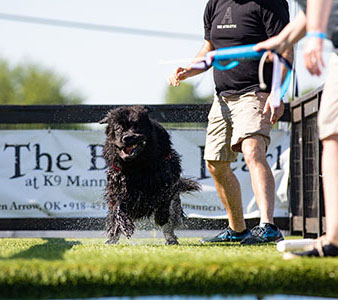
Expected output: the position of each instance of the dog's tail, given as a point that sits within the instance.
(188, 185)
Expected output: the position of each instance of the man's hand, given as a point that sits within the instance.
(276, 112)
(276, 43)
(313, 55)
(317, 17)
(284, 41)
(179, 74)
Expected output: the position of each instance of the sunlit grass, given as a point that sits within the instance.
(36, 268)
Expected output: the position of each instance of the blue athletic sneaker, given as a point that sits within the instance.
(264, 233)
(228, 235)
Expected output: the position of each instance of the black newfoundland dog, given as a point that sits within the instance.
(143, 176)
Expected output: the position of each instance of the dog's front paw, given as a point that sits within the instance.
(172, 242)
(112, 241)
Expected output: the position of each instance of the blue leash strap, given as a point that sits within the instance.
(233, 54)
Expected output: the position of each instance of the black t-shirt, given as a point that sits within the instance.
(229, 23)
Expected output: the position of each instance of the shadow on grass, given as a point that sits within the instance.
(183, 245)
(53, 249)
(212, 245)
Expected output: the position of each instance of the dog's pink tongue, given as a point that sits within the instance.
(129, 149)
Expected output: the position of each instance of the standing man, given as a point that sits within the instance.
(320, 18)
(239, 119)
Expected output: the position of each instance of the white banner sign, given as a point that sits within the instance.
(61, 173)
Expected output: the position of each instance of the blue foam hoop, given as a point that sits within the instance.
(246, 52)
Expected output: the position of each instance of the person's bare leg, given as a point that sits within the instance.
(262, 181)
(330, 187)
(229, 191)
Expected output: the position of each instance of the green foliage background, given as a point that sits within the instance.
(185, 94)
(29, 84)
(32, 84)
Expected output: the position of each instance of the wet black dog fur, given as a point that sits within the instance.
(143, 175)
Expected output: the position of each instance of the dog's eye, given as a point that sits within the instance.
(118, 128)
(135, 126)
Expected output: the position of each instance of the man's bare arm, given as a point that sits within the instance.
(183, 73)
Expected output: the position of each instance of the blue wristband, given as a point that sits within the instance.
(316, 34)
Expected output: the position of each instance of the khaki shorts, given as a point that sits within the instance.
(231, 120)
(328, 112)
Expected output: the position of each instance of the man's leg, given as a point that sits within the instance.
(328, 134)
(330, 187)
(228, 190)
(251, 129)
(262, 181)
(263, 186)
(218, 155)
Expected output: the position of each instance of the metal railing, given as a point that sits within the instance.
(306, 195)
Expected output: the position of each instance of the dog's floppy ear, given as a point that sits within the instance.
(147, 109)
(104, 120)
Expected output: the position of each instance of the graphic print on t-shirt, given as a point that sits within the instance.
(227, 22)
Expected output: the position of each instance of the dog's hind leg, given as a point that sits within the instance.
(169, 234)
(114, 239)
(167, 225)
(173, 220)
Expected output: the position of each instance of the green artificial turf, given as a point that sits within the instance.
(64, 268)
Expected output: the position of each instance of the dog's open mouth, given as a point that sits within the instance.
(131, 151)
